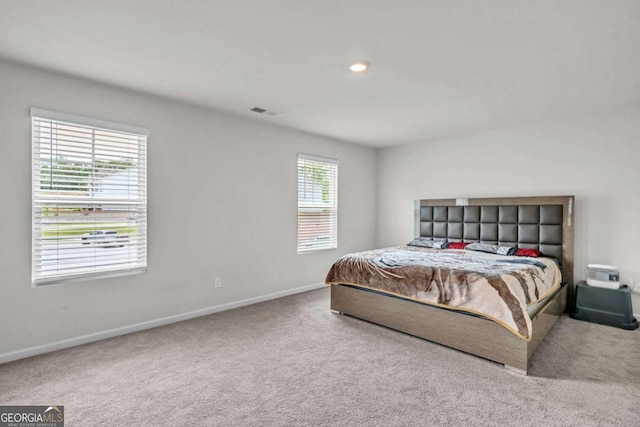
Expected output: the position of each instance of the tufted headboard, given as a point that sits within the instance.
(543, 223)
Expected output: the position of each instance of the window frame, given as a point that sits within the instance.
(39, 115)
(332, 205)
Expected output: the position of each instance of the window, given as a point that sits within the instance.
(317, 203)
(89, 198)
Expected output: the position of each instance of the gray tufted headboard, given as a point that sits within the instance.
(543, 223)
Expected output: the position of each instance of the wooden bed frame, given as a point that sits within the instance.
(471, 334)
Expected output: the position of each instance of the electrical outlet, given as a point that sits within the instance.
(217, 282)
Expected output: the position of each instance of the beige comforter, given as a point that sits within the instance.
(498, 287)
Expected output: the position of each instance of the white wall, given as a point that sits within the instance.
(596, 158)
(222, 202)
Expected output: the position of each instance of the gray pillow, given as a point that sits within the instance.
(506, 250)
(426, 242)
(422, 242)
(482, 247)
(491, 249)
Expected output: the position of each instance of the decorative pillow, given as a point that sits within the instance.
(457, 245)
(440, 245)
(528, 252)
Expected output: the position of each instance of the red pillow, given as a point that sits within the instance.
(528, 252)
(457, 245)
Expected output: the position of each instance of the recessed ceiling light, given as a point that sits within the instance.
(359, 66)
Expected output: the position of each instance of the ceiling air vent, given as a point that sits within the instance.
(263, 111)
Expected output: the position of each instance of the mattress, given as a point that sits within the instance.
(505, 289)
(532, 310)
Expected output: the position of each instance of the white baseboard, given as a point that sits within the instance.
(84, 339)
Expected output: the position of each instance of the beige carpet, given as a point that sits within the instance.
(290, 362)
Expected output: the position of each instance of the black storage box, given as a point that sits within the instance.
(605, 306)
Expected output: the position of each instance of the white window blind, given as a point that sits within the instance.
(89, 198)
(317, 203)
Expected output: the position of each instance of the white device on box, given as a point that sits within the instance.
(603, 276)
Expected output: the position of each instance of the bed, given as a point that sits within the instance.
(380, 286)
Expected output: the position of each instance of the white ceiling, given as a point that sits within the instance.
(438, 67)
